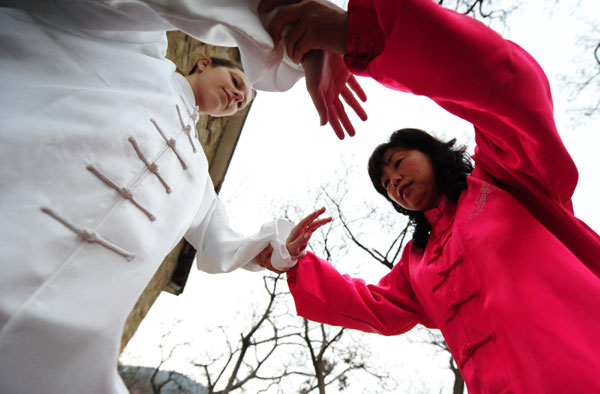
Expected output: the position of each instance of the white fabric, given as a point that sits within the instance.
(78, 81)
(216, 22)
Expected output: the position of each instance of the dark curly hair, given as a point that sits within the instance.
(451, 166)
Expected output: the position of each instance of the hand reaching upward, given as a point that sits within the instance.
(296, 241)
(301, 233)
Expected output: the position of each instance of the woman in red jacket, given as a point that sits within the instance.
(498, 262)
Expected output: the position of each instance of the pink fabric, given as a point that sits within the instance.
(509, 275)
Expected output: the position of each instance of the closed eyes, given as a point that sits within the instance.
(236, 83)
(386, 182)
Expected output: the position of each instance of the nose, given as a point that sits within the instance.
(396, 180)
(238, 96)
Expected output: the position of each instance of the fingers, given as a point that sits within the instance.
(355, 86)
(335, 123)
(292, 41)
(302, 242)
(308, 219)
(303, 238)
(313, 69)
(318, 223)
(318, 100)
(298, 229)
(301, 44)
(284, 17)
(264, 256)
(268, 5)
(301, 233)
(341, 111)
(354, 104)
(312, 216)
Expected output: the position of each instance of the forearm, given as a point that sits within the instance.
(322, 294)
(420, 47)
(221, 249)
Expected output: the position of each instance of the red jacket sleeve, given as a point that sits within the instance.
(323, 294)
(419, 47)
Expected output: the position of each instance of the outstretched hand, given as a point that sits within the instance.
(317, 38)
(327, 78)
(296, 241)
(301, 233)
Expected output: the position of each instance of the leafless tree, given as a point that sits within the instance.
(273, 352)
(584, 85)
(166, 355)
(434, 338)
(245, 361)
(157, 379)
(482, 9)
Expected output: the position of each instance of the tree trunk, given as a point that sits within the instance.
(459, 382)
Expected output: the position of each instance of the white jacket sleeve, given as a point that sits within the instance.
(235, 23)
(221, 249)
(215, 22)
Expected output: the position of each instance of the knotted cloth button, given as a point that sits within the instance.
(126, 193)
(89, 236)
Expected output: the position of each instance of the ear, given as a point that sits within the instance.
(203, 64)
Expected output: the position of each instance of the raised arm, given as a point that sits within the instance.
(417, 46)
(322, 294)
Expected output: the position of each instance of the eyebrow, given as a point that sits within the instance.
(389, 160)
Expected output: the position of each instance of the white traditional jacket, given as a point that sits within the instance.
(101, 175)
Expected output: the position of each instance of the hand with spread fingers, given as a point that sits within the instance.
(297, 240)
(326, 79)
(301, 233)
(317, 38)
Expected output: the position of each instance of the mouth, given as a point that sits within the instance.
(228, 97)
(403, 190)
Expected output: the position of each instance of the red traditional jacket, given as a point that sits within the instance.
(510, 276)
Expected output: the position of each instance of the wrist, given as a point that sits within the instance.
(298, 254)
(339, 41)
(295, 253)
(364, 38)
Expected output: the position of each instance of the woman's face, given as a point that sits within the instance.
(409, 179)
(219, 91)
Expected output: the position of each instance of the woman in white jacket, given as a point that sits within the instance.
(100, 173)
